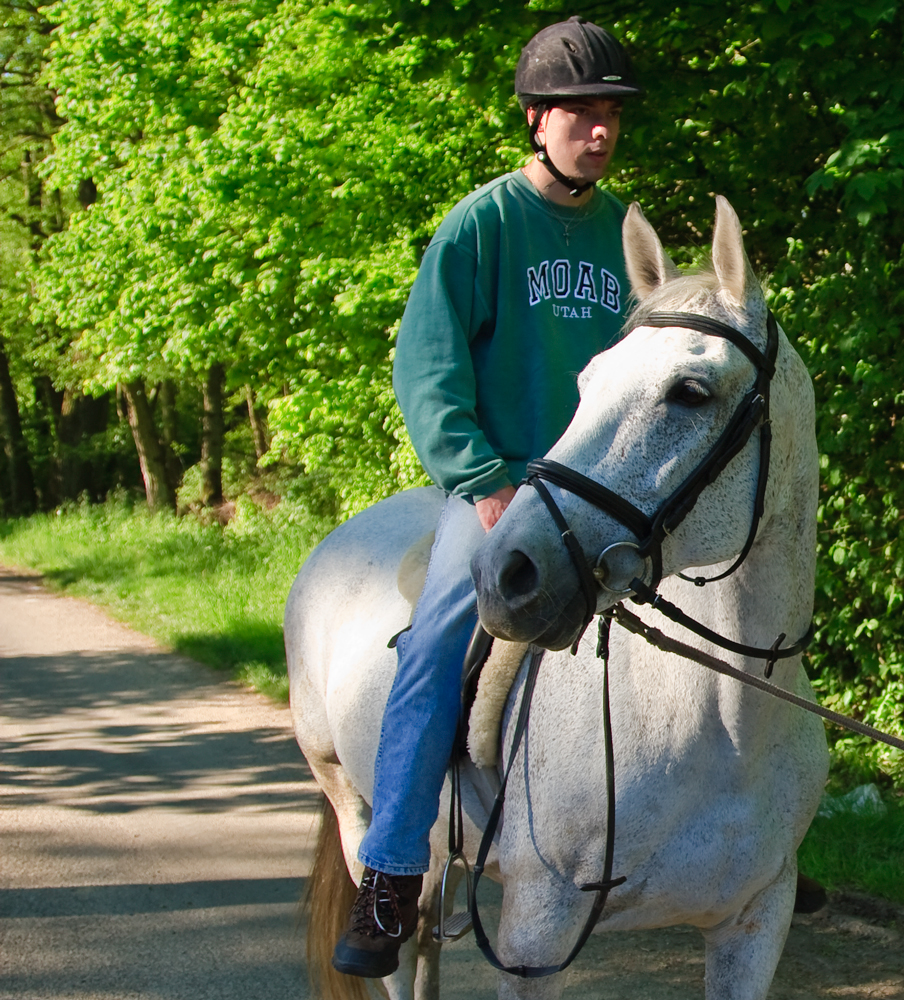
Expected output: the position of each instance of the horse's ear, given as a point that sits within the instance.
(729, 258)
(648, 265)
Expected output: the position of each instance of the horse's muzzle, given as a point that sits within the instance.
(515, 605)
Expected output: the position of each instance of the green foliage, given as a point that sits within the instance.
(137, 278)
(794, 112)
(858, 658)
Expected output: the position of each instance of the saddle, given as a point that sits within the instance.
(490, 664)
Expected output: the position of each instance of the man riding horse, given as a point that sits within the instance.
(523, 283)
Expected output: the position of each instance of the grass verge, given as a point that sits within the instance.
(864, 852)
(216, 594)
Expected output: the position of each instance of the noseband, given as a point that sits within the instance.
(650, 531)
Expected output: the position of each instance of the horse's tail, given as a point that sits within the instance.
(328, 900)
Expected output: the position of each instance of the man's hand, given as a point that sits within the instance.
(490, 509)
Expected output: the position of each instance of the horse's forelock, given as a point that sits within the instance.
(692, 287)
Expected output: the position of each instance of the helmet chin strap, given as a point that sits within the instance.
(575, 189)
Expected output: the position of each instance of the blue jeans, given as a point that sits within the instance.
(421, 716)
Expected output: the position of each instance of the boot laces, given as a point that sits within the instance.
(377, 908)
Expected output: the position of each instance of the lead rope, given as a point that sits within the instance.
(632, 623)
(607, 883)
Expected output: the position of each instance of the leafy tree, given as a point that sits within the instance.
(26, 213)
(137, 278)
(54, 437)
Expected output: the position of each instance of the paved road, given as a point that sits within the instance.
(155, 821)
(156, 824)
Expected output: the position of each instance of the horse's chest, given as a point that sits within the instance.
(695, 826)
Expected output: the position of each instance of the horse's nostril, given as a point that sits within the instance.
(518, 576)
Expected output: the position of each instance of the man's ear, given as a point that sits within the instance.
(541, 130)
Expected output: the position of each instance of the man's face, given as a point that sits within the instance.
(580, 135)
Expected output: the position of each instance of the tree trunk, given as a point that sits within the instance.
(21, 497)
(258, 420)
(81, 417)
(169, 427)
(45, 429)
(158, 487)
(34, 191)
(212, 438)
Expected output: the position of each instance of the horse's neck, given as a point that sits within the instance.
(771, 593)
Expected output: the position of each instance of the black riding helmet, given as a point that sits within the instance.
(573, 58)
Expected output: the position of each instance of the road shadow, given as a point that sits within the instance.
(36, 686)
(237, 952)
(192, 890)
(128, 900)
(64, 740)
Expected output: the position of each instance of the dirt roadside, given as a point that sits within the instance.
(157, 823)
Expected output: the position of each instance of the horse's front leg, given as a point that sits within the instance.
(742, 952)
(539, 924)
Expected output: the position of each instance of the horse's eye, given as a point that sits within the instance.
(689, 393)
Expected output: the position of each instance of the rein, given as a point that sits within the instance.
(632, 623)
(628, 620)
(644, 595)
(607, 882)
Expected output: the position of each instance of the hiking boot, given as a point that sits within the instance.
(381, 921)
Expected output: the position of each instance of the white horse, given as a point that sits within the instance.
(715, 783)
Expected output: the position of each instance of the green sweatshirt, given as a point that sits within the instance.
(505, 312)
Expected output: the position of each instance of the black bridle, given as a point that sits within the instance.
(752, 412)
